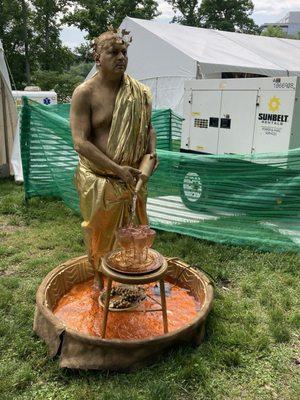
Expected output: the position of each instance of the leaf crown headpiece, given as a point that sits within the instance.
(112, 35)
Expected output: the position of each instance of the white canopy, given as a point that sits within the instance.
(42, 97)
(8, 118)
(165, 55)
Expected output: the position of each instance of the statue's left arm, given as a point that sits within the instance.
(151, 149)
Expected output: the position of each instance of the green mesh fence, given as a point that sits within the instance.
(166, 123)
(240, 199)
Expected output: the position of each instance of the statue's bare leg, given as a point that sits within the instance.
(98, 276)
(98, 280)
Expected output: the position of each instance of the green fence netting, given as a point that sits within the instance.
(234, 199)
(167, 124)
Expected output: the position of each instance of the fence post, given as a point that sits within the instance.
(25, 143)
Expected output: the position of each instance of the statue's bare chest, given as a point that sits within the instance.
(102, 108)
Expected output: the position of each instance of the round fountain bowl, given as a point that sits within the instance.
(82, 351)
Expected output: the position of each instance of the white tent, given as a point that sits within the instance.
(8, 118)
(42, 97)
(163, 56)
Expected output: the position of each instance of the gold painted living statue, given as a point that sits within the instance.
(111, 129)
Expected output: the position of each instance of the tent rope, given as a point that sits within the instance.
(9, 72)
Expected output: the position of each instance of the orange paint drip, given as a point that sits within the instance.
(80, 311)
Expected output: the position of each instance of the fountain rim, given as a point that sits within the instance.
(49, 315)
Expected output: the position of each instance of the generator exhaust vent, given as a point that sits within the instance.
(200, 123)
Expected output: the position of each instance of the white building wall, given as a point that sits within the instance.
(293, 29)
(290, 23)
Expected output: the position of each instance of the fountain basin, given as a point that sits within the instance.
(83, 351)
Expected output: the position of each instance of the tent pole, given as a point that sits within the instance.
(4, 121)
(5, 170)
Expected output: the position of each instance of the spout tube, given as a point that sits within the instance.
(146, 168)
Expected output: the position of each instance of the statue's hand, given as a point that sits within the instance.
(129, 175)
(154, 155)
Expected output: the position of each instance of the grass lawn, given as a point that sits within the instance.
(251, 349)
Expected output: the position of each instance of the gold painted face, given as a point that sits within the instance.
(113, 58)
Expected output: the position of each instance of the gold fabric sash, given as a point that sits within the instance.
(104, 199)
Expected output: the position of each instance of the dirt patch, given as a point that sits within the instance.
(11, 270)
(225, 284)
(7, 228)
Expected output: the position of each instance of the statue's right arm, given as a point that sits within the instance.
(80, 120)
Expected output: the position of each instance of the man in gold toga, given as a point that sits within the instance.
(111, 129)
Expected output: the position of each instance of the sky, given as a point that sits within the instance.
(264, 11)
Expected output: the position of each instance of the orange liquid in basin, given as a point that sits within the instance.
(79, 310)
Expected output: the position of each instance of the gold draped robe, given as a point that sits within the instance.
(105, 200)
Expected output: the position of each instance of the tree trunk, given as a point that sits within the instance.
(47, 40)
(1, 21)
(26, 41)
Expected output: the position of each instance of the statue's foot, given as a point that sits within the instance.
(98, 281)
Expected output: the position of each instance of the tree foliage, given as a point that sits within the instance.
(226, 15)
(274, 31)
(277, 31)
(16, 35)
(83, 53)
(189, 12)
(29, 31)
(49, 50)
(63, 84)
(96, 16)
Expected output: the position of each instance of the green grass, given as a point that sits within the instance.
(252, 337)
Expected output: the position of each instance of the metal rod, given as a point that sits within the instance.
(106, 307)
(164, 305)
(156, 301)
(4, 121)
